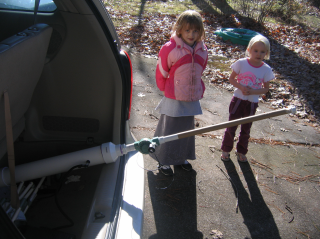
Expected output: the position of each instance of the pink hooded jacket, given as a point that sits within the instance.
(179, 70)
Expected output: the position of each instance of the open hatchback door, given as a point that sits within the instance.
(65, 87)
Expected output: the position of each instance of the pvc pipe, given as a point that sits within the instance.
(20, 187)
(28, 194)
(22, 205)
(15, 215)
(106, 153)
(34, 194)
(36, 189)
(25, 191)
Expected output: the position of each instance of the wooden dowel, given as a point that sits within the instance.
(235, 122)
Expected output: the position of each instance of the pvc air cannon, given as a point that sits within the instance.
(109, 153)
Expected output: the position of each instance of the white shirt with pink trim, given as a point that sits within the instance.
(252, 76)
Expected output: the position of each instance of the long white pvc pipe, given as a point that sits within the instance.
(106, 153)
(109, 153)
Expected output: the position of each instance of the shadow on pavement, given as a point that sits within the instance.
(174, 202)
(256, 214)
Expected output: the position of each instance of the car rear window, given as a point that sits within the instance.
(26, 5)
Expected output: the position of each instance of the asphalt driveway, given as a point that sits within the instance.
(275, 195)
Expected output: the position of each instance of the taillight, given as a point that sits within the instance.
(131, 80)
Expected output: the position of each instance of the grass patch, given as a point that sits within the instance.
(218, 62)
(138, 7)
(310, 21)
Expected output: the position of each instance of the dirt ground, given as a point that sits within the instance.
(275, 195)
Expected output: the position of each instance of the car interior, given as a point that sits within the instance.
(66, 85)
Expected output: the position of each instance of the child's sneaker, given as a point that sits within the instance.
(186, 166)
(165, 169)
(241, 157)
(225, 156)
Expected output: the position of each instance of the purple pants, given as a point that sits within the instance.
(238, 109)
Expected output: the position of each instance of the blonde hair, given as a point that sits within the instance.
(192, 19)
(262, 39)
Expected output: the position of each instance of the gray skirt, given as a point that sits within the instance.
(177, 151)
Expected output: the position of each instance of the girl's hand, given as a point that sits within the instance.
(245, 90)
(249, 90)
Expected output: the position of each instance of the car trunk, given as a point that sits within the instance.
(79, 102)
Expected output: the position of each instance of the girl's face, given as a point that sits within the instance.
(189, 35)
(257, 53)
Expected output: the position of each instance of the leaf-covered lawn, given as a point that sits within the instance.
(295, 55)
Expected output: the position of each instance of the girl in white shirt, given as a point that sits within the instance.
(251, 78)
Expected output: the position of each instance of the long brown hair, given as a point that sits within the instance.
(193, 20)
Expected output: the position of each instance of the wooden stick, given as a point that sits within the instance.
(245, 120)
(235, 122)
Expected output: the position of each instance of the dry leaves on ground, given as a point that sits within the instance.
(295, 55)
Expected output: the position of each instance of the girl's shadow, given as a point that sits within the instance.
(174, 203)
(256, 214)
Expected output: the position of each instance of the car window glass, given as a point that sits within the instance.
(28, 5)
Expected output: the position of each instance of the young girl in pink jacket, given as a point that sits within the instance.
(181, 63)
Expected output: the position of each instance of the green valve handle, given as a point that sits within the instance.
(146, 146)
